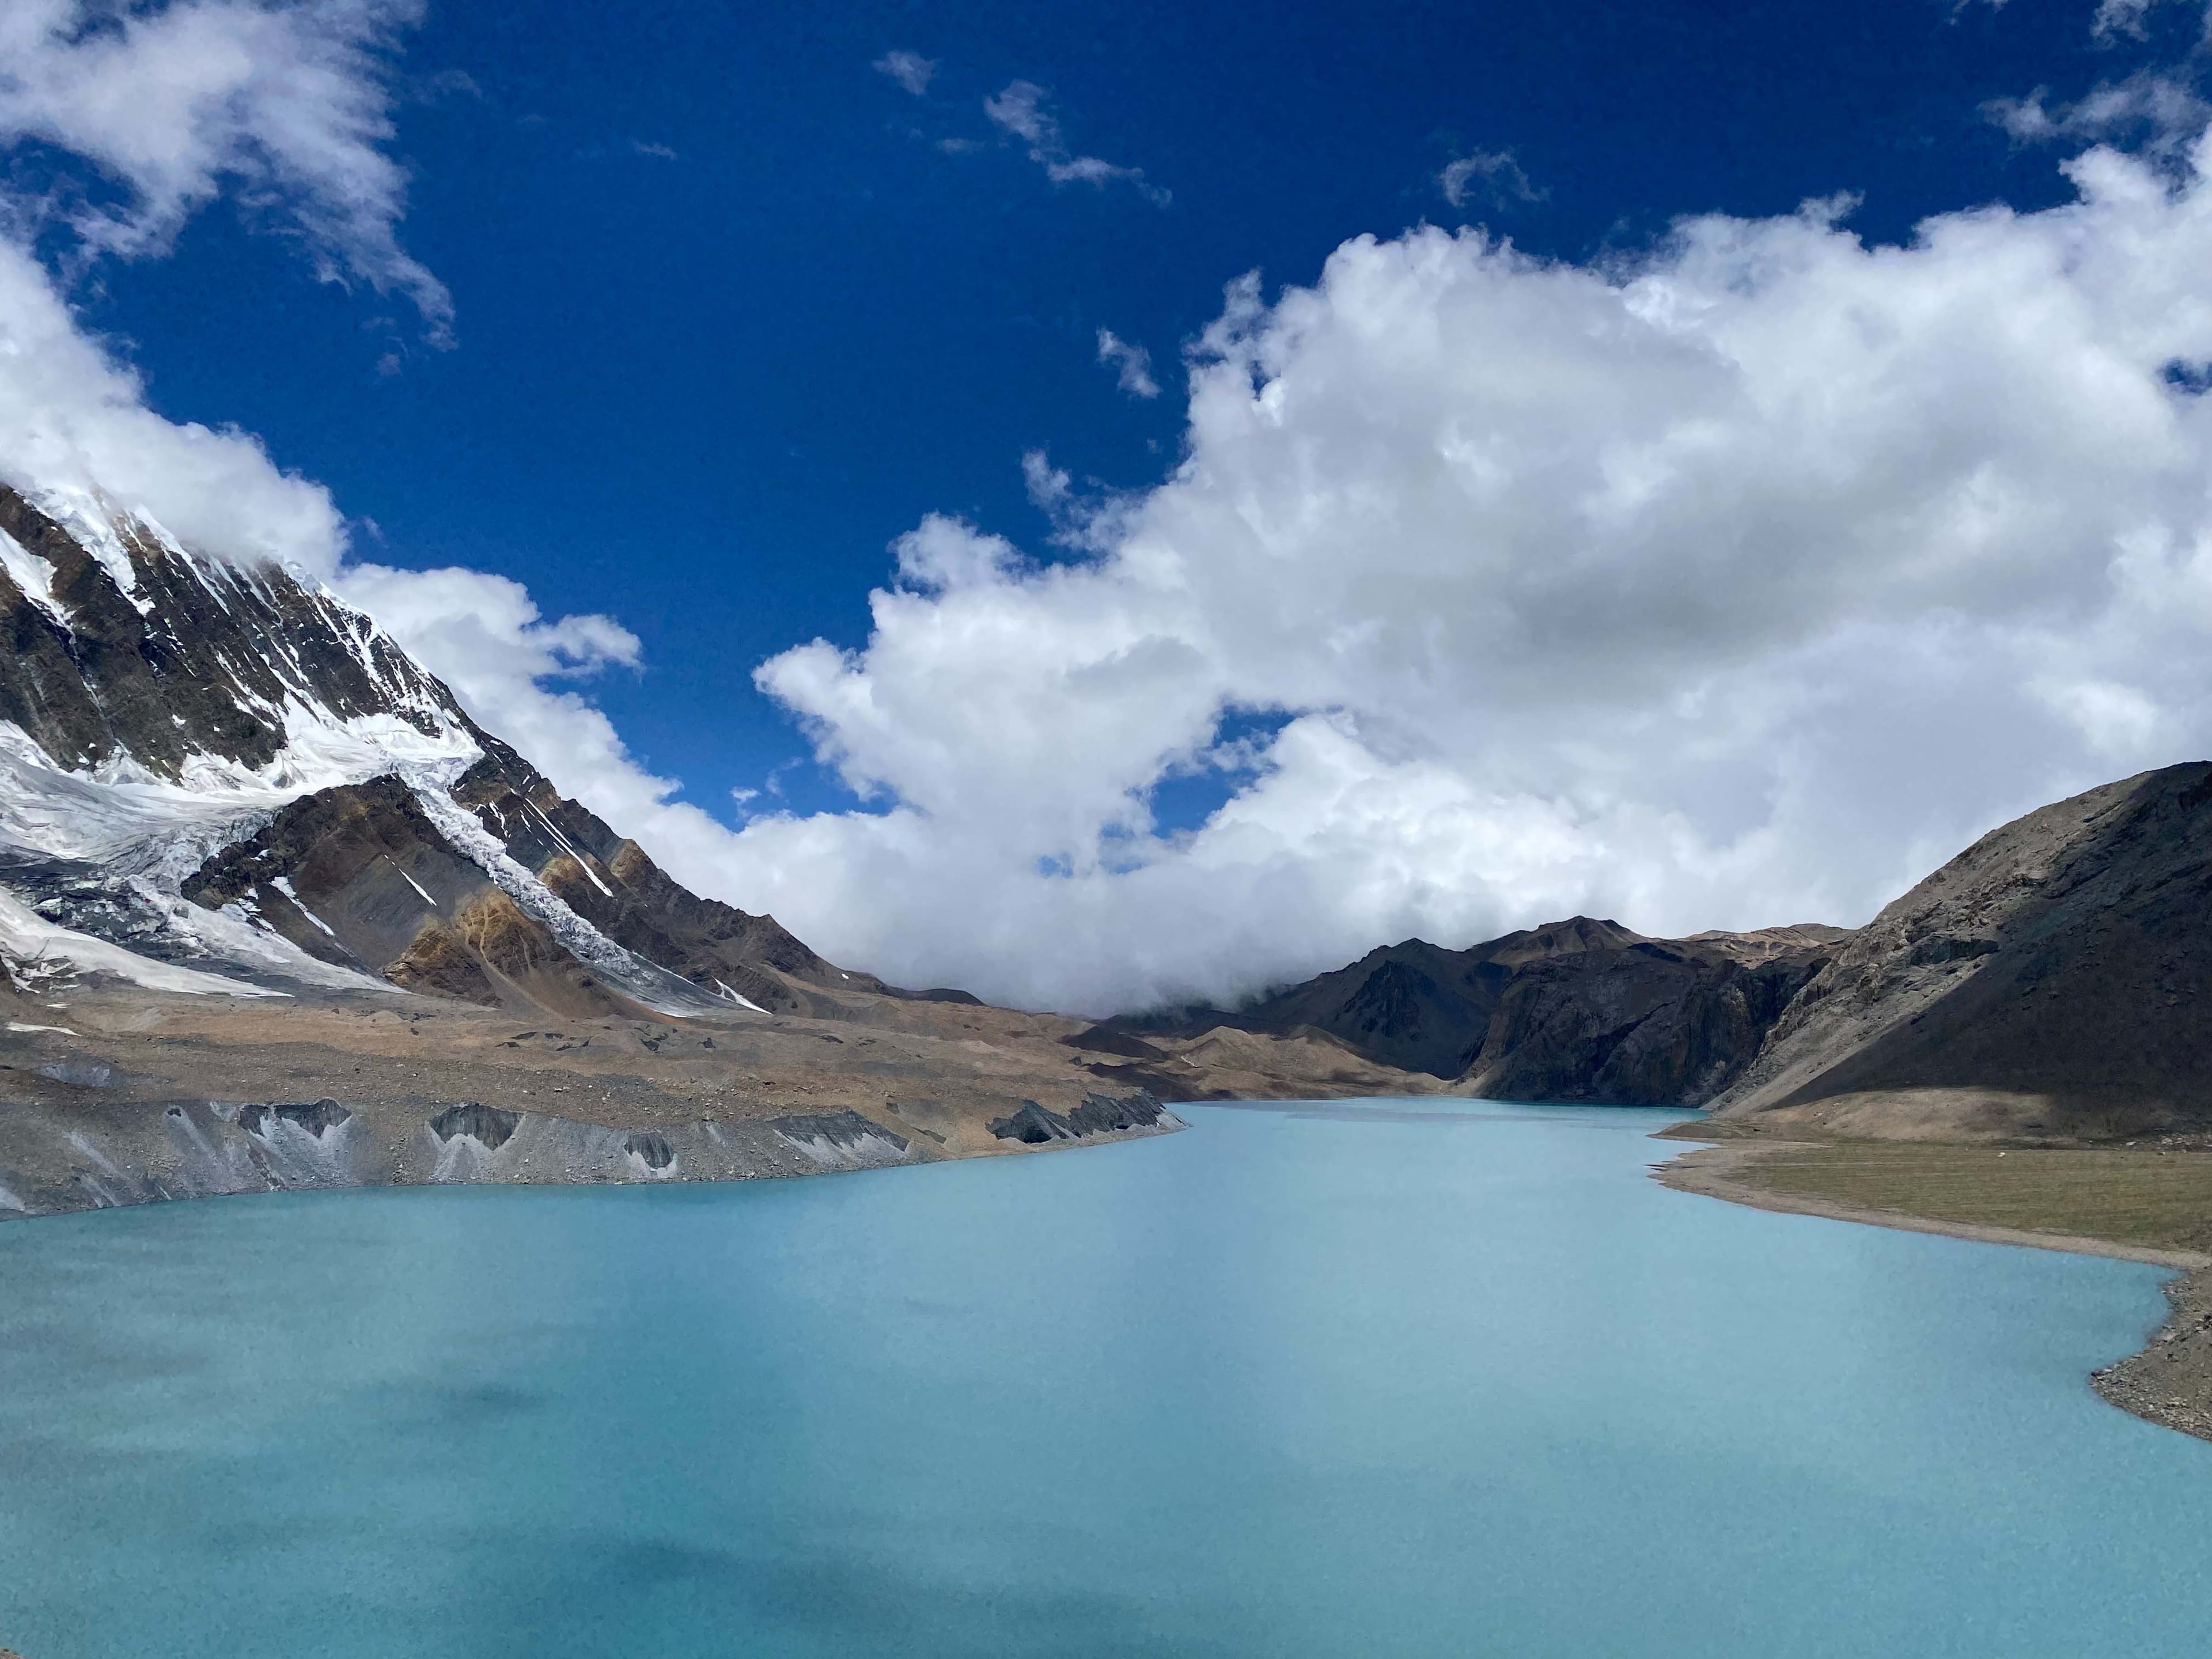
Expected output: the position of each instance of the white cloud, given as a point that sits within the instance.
(2113, 20)
(283, 103)
(2162, 111)
(1736, 587)
(659, 152)
(909, 69)
(1492, 174)
(1132, 364)
(2118, 17)
(72, 417)
(1021, 112)
(1050, 489)
(287, 104)
(484, 636)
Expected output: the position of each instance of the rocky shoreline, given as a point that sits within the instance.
(2167, 1383)
(142, 1153)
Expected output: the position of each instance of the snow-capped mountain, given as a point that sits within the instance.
(222, 769)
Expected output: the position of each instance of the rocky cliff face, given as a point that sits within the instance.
(611, 882)
(2056, 976)
(124, 647)
(359, 875)
(1580, 1010)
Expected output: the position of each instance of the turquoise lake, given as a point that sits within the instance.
(1378, 1378)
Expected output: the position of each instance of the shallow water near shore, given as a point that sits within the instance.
(1378, 1378)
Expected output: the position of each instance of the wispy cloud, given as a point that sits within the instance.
(1048, 487)
(2161, 111)
(440, 84)
(1132, 364)
(2118, 17)
(909, 69)
(661, 151)
(1020, 110)
(1491, 176)
(2114, 18)
(291, 103)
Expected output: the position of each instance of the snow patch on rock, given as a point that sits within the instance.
(26, 936)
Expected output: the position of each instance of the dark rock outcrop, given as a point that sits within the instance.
(611, 882)
(489, 1126)
(349, 874)
(358, 874)
(1580, 1010)
(1098, 1115)
(316, 1117)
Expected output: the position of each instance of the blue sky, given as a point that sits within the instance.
(704, 392)
(1701, 466)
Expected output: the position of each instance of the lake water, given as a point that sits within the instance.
(1385, 1378)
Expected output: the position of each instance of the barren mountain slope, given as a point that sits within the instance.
(2055, 977)
(1580, 1010)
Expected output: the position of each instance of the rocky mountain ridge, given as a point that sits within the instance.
(1579, 1010)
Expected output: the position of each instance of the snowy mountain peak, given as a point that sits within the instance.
(226, 766)
(132, 653)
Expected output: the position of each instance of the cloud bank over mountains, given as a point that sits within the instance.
(1727, 585)
(1736, 582)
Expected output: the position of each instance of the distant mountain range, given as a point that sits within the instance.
(1579, 1010)
(216, 775)
(2056, 978)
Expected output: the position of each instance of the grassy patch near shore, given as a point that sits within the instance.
(2131, 1195)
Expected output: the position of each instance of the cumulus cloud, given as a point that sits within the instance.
(1022, 111)
(1491, 176)
(1740, 585)
(72, 417)
(909, 69)
(288, 105)
(485, 637)
(1132, 364)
